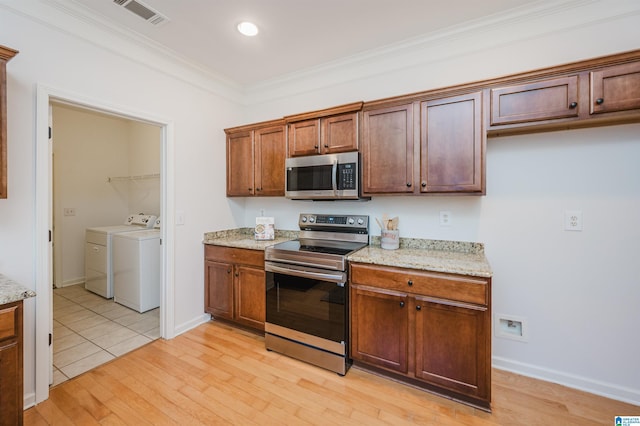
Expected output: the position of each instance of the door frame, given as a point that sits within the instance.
(43, 218)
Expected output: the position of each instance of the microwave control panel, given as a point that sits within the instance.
(347, 176)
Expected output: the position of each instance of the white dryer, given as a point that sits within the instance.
(136, 269)
(98, 268)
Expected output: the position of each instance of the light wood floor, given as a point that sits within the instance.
(216, 374)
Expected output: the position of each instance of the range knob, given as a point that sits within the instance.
(360, 221)
(303, 219)
(351, 221)
(312, 219)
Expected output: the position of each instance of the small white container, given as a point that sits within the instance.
(390, 239)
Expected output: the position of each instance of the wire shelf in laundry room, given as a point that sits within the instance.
(130, 178)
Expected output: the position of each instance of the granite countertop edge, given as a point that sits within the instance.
(11, 291)
(245, 238)
(456, 257)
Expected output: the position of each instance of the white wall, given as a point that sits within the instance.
(575, 289)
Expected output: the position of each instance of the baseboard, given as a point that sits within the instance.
(68, 283)
(182, 328)
(29, 400)
(608, 390)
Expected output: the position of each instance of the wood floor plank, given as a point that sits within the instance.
(217, 374)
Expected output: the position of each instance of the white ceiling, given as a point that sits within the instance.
(295, 35)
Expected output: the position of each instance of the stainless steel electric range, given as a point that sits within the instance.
(307, 294)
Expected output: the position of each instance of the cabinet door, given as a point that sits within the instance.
(11, 373)
(388, 150)
(218, 289)
(615, 88)
(452, 348)
(240, 162)
(379, 328)
(452, 146)
(250, 296)
(340, 133)
(304, 138)
(269, 160)
(542, 100)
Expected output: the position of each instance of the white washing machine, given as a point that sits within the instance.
(98, 268)
(136, 269)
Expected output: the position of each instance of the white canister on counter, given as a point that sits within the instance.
(390, 239)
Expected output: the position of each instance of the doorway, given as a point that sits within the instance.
(105, 167)
(47, 96)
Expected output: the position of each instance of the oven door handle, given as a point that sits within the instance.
(334, 176)
(338, 278)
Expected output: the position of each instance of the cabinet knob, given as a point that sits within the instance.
(402, 304)
(326, 146)
(408, 184)
(599, 101)
(424, 184)
(410, 283)
(315, 146)
(418, 308)
(229, 271)
(249, 189)
(258, 189)
(572, 105)
(236, 274)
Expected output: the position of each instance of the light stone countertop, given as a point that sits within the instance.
(11, 291)
(465, 258)
(244, 238)
(430, 255)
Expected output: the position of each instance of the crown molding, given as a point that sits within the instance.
(76, 20)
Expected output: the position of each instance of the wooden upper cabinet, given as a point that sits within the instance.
(255, 160)
(240, 161)
(452, 144)
(388, 150)
(324, 132)
(269, 160)
(5, 55)
(304, 138)
(339, 133)
(535, 101)
(615, 88)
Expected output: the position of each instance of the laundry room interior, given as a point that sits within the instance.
(106, 172)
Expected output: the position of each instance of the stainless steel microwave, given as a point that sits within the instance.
(323, 177)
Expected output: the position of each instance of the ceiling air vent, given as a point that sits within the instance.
(143, 11)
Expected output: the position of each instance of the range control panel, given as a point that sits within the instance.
(343, 223)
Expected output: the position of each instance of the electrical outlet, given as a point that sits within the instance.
(445, 218)
(510, 327)
(69, 211)
(573, 220)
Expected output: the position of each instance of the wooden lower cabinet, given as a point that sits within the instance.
(440, 344)
(235, 285)
(11, 369)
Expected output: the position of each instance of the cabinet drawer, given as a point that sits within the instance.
(234, 255)
(445, 286)
(8, 322)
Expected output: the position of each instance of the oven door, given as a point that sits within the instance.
(308, 305)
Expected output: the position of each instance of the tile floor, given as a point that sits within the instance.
(89, 330)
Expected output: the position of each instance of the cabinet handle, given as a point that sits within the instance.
(326, 146)
(418, 308)
(572, 105)
(408, 184)
(410, 283)
(249, 189)
(599, 101)
(402, 304)
(315, 146)
(229, 271)
(236, 274)
(258, 189)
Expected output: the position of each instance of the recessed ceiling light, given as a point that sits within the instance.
(248, 28)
